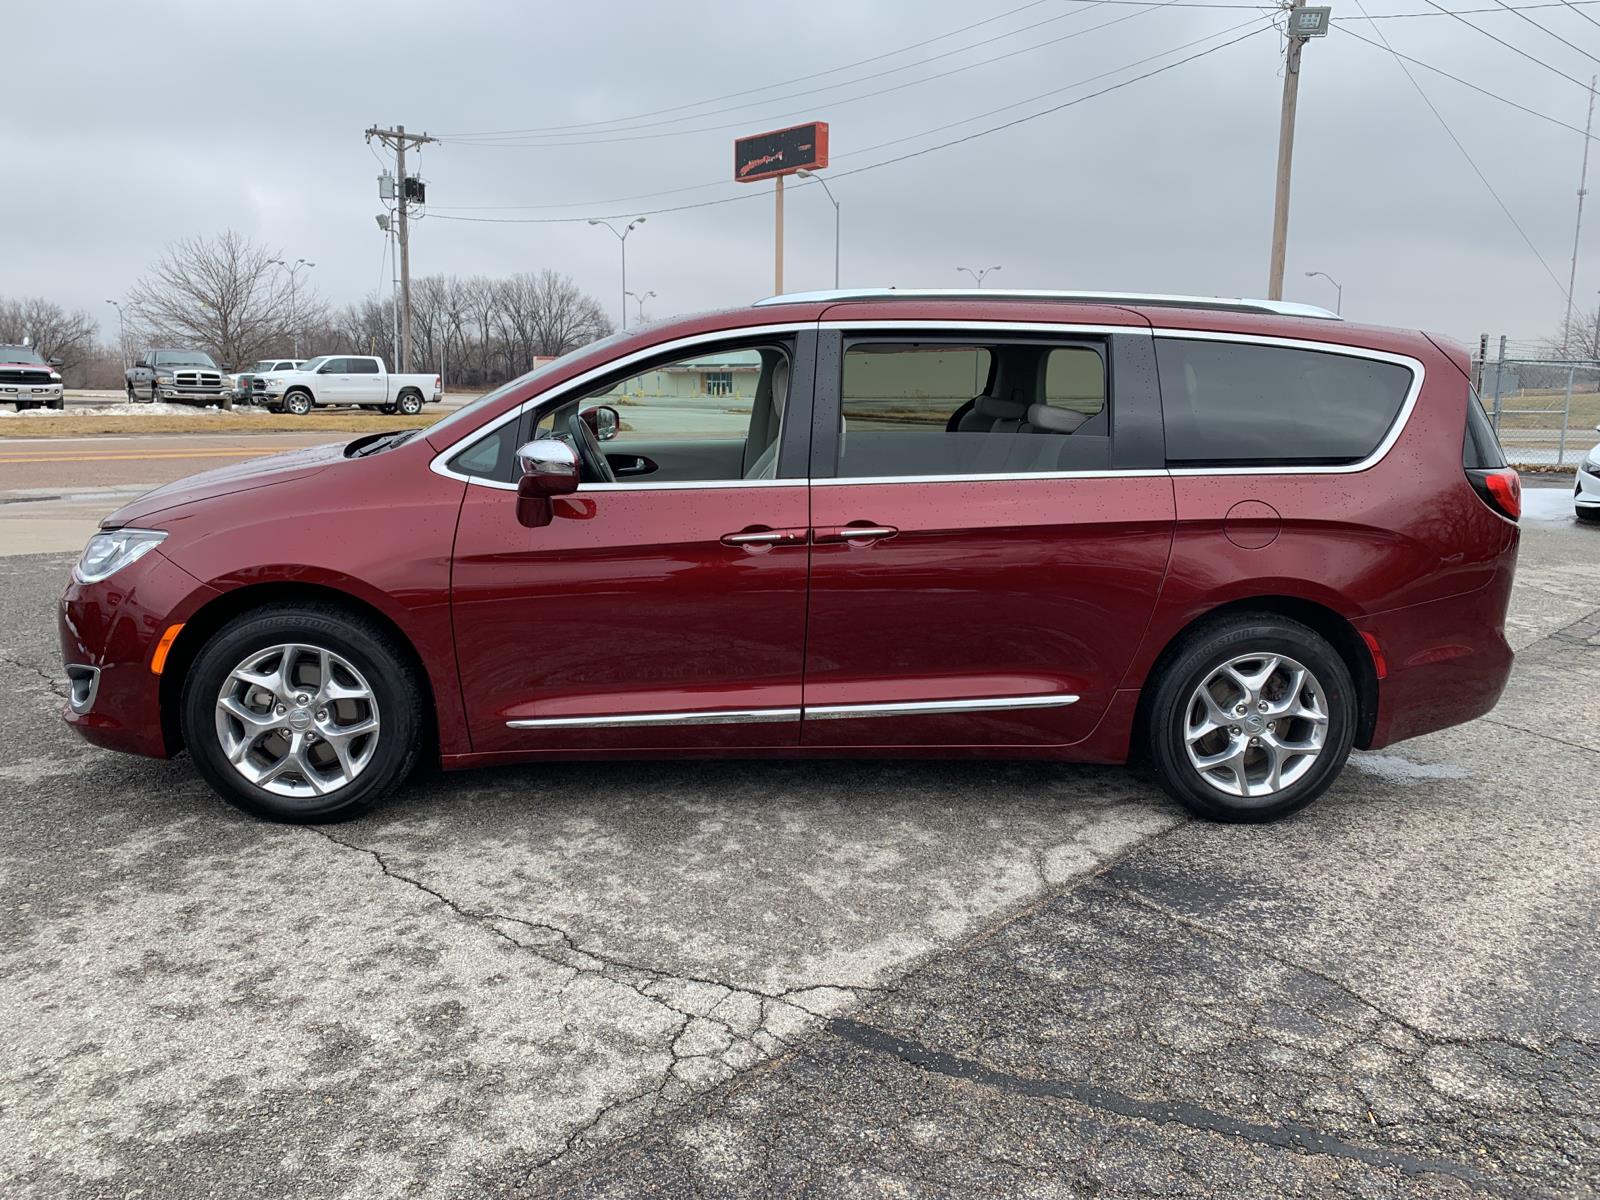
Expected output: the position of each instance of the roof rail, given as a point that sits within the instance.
(1282, 308)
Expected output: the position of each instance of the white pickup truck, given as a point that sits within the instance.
(344, 379)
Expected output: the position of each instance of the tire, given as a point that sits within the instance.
(59, 404)
(130, 393)
(364, 658)
(1250, 642)
(297, 403)
(389, 409)
(410, 404)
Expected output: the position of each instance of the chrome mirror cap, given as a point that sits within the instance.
(546, 457)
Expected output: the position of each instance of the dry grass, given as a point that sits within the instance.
(220, 422)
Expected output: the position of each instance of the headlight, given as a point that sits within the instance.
(107, 553)
(163, 376)
(1592, 463)
(55, 377)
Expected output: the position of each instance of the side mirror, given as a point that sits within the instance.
(141, 363)
(549, 467)
(325, 369)
(55, 362)
(603, 420)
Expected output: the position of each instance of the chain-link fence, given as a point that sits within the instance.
(1544, 409)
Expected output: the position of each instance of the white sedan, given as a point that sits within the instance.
(1586, 496)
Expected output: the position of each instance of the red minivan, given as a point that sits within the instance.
(1232, 539)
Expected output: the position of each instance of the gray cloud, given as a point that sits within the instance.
(133, 125)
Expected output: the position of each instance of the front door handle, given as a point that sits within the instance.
(760, 535)
(855, 534)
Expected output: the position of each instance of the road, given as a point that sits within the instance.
(55, 490)
(830, 979)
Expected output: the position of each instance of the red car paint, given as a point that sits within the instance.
(631, 603)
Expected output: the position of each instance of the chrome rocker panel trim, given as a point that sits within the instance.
(824, 712)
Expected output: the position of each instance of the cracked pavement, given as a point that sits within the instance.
(782, 978)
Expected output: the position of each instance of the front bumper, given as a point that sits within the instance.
(24, 393)
(191, 395)
(1586, 493)
(109, 631)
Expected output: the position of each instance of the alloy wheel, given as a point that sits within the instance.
(297, 720)
(1256, 725)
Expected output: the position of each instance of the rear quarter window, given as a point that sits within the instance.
(1241, 403)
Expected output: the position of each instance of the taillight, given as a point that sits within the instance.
(1500, 489)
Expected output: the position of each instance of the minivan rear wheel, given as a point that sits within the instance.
(1252, 719)
(303, 713)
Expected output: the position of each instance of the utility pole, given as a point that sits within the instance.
(397, 139)
(1577, 226)
(1303, 23)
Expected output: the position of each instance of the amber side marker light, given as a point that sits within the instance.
(158, 660)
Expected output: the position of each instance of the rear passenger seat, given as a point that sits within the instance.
(992, 414)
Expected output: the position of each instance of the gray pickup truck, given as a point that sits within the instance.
(178, 377)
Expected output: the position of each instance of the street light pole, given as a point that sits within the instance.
(623, 239)
(640, 301)
(1338, 304)
(294, 310)
(978, 275)
(122, 334)
(805, 174)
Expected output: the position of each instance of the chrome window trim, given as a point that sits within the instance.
(1396, 429)
(824, 712)
(720, 716)
(560, 392)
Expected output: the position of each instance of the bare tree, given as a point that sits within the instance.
(220, 294)
(48, 328)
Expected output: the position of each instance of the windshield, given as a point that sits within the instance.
(311, 364)
(183, 358)
(20, 354)
(473, 408)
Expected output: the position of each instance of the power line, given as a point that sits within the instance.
(1349, 32)
(719, 183)
(884, 162)
(1464, 154)
(630, 136)
(1580, 12)
(766, 87)
(1551, 32)
(1503, 42)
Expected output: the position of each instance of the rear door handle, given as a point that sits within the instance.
(855, 533)
(760, 535)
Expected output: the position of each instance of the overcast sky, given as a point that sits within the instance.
(129, 125)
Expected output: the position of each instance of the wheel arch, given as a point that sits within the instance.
(1331, 625)
(204, 623)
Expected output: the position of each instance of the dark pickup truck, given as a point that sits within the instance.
(179, 377)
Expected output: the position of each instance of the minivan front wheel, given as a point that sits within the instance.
(1252, 719)
(302, 713)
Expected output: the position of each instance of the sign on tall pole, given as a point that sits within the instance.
(772, 156)
(1304, 23)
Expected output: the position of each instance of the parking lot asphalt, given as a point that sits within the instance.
(780, 978)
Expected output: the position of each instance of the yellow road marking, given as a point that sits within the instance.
(155, 454)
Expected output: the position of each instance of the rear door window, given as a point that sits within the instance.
(936, 408)
(1242, 403)
(361, 366)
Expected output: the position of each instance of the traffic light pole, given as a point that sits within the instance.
(398, 139)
